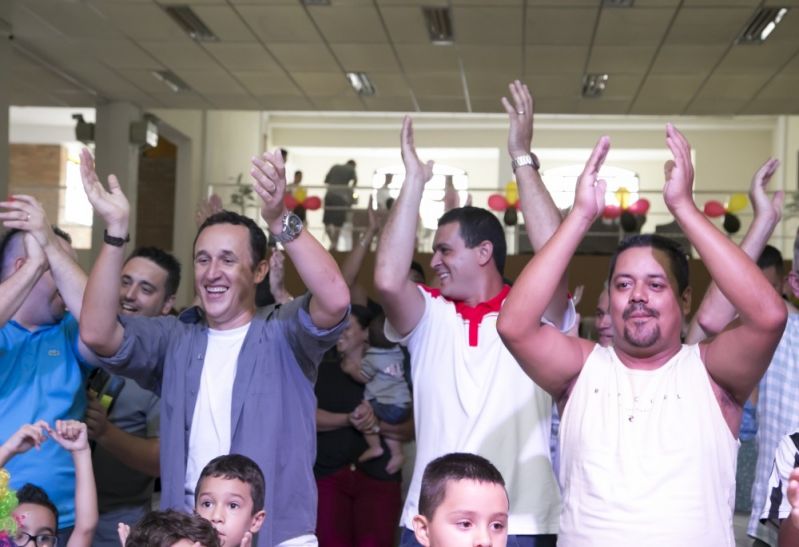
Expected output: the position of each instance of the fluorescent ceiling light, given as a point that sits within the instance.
(617, 3)
(171, 80)
(761, 25)
(439, 25)
(594, 85)
(361, 84)
(191, 23)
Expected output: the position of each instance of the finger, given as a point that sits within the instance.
(598, 155)
(529, 102)
(262, 180)
(113, 184)
(778, 200)
(507, 106)
(516, 93)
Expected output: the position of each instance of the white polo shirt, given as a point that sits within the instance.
(470, 395)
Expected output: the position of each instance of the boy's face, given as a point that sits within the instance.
(472, 514)
(36, 520)
(228, 505)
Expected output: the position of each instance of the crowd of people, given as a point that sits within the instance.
(283, 424)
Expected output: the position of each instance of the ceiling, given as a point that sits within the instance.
(663, 56)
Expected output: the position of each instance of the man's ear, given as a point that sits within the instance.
(257, 521)
(169, 303)
(261, 269)
(685, 301)
(421, 530)
(485, 252)
(793, 281)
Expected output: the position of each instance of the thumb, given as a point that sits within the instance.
(113, 184)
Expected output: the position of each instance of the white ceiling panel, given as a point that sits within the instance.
(304, 57)
(323, 84)
(338, 103)
(389, 104)
(732, 86)
(490, 85)
(243, 56)
(146, 22)
(560, 26)
(714, 107)
(555, 59)
(232, 102)
(357, 58)
(768, 57)
(227, 24)
(349, 24)
(180, 55)
(499, 58)
(633, 27)
(121, 54)
(705, 26)
(389, 85)
(405, 24)
(488, 25)
(72, 18)
(289, 23)
(215, 81)
(441, 104)
(284, 102)
(687, 59)
(266, 83)
(621, 59)
(427, 58)
(448, 84)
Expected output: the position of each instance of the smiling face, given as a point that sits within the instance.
(472, 513)
(35, 520)
(456, 265)
(228, 505)
(142, 290)
(644, 307)
(224, 276)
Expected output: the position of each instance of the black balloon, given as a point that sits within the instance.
(731, 223)
(511, 217)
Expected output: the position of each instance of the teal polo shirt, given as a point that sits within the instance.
(42, 377)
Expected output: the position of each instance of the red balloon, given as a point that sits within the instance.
(497, 202)
(714, 209)
(312, 203)
(290, 201)
(611, 211)
(640, 207)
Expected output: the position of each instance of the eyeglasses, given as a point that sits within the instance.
(41, 540)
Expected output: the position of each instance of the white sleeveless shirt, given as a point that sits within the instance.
(646, 456)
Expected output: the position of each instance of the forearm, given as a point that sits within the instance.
(403, 431)
(330, 421)
(789, 534)
(16, 288)
(68, 275)
(86, 513)
(139, 453)
(99, 328)
(396, 246)
(351, 266)
(5, 455)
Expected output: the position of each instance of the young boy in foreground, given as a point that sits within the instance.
(169, 529)
(230, 494)
(463, 502)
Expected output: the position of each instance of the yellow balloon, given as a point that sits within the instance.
(300, 194)
(738, 202)
(623, 197)
(512, 192)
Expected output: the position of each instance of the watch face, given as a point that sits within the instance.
(293, 224)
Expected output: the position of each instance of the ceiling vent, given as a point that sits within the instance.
(617, 3)
(762, 23)
(171, 80)
(361, 84)
(439, 25)
(191, 23)
(315, 2)
(594, 85)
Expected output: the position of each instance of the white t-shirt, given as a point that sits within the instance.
(786, 458)
(210, 425)
(470, 395)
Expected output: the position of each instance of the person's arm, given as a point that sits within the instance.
(403, 431)
(27, 214)
(793, 499)
(277, 277)
(552, 359)
(317, 269)
(139, 453)
(99, 328)
(541, 215)
(72, 435)
(715, 312)
(330, 421)
(351, 266)
(26, 437)
(736, 358)
(403, 303)
(16, 287)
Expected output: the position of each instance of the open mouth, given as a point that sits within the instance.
(129, 308)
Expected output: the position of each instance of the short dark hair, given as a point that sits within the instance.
(771, 256)
(257, 236)
(165, 261)
(236, 466)
(5, 244)
(453, 467)
(165, 528)
(30, 493)
(678, 260)
(477, 225)
(377, 334)
(362, 314)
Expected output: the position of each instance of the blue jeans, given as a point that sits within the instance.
(408, 539)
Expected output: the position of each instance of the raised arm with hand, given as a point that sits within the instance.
(401, 300)
(541, 215)
(738, 357)
(26, 437)
(552, 359)
(26, 213)
(99, 328)
(16, 287)
(715, 312)
(317, 269)
(351, 266)
(72, 435)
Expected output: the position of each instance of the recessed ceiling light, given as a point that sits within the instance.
(171, 80)
(594, 85)
(439, 25)
(191, 23)
(361, 84)
(761, 25)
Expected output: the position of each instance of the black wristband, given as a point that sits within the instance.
(115, 241)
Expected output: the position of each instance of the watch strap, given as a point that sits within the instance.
(115, 241)
(525, 159)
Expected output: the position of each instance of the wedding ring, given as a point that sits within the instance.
(520, 112)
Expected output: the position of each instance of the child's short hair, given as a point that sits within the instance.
(453, 467)
(165, 528)
(236, 466)
(30, 493)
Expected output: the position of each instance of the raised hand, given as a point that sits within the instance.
(520, 114)
(26, 437)
(123, 531)
(206, 208)
(376, 217)
(33, 250)
(96, 418)
(111, 204)
(70, 434)
(246, 540)
(414, 168)
(26, 213)
(765, 208)
(589, 196)
(678, 190)
(269, 182)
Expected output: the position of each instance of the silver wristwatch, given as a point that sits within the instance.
(292, 226)
(525, 159)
